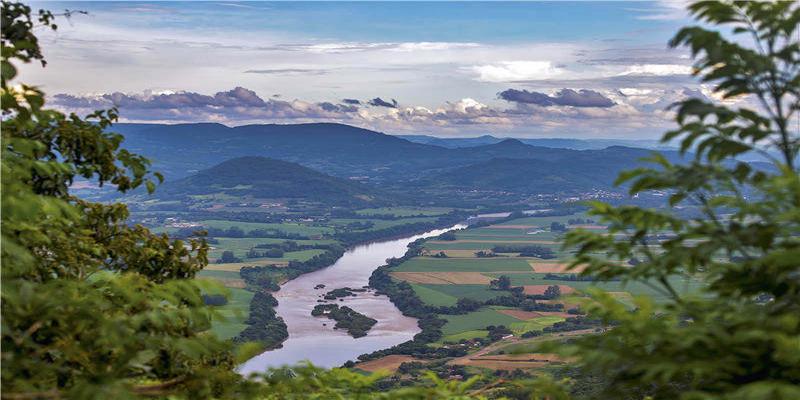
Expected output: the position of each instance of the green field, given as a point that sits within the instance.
(536, 324)
(684, 286)
(543, 221)
(475, 320)
(455, 338)
(475, 292)
(430, 264)
(483, 245)
(232, 315)
(527, 347)
(294, 228)
(404, 211)
(300, 229)
(541, 234)
(380, 223)
(219, 274)
(240, 246)
(432, 296)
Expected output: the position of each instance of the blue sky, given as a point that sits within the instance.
(527, 69)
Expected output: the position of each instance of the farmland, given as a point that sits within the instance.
(241, 233)
(460, 275)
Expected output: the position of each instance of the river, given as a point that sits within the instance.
(313, 338)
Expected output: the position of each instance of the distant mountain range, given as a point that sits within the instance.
(575, 144)
(344, 153)
(574, 172)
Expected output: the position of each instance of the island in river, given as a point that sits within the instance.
(310, 339)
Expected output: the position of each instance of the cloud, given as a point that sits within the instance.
(606, 112)
(565, 97)
(355, 47)
(378, 102)
(238, 104)
(658, 70)
(327, 106)
(287, 71)
(509, 71)
(665, 10)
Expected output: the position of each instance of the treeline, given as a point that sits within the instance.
(352, 214)
(350, 238)
(356, 324)
(268, 275)
(237, 232)
(570, 324)
(240, 216)
(580, 221)
(574, 278)
(277, 250)
(263, 324)
(526, 250)
(406, 300)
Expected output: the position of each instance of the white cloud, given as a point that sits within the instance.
(666, 10)
(636, 109)
(509, 71)
(657, 70)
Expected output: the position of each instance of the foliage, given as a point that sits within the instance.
(92, 307)
(264, 326)
(741, 338)
(356, 324)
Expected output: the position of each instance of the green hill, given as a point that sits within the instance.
(261, 177)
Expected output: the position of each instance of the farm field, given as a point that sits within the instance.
(287, 227)
(232, 315)
(405, 211)
(431, 264)
(442, 280)
(322, 231)
(480, 319)
(379, 223)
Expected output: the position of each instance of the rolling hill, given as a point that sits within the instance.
(265, 178)
(570, 172)
(388, 162)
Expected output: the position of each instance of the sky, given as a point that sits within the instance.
(450, 69)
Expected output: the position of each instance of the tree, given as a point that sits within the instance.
(503, 282)
(557, 227)
(552, 292)
(466, 304)
(740, 337)
(91, 307)
(228, 257)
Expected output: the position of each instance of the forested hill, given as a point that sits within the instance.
(381, 160)
(577, 171)
(339, 150)
(559, 143)
(261, 177)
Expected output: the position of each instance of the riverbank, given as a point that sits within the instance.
(311, 338)
(264, 325)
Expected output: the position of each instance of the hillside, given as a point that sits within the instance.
(574, 171)
(558, 143)
(265, 178)
(340, 150)
(381, 160)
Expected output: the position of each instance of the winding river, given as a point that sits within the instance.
(313, 338)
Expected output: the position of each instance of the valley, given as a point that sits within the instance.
(473, 244)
